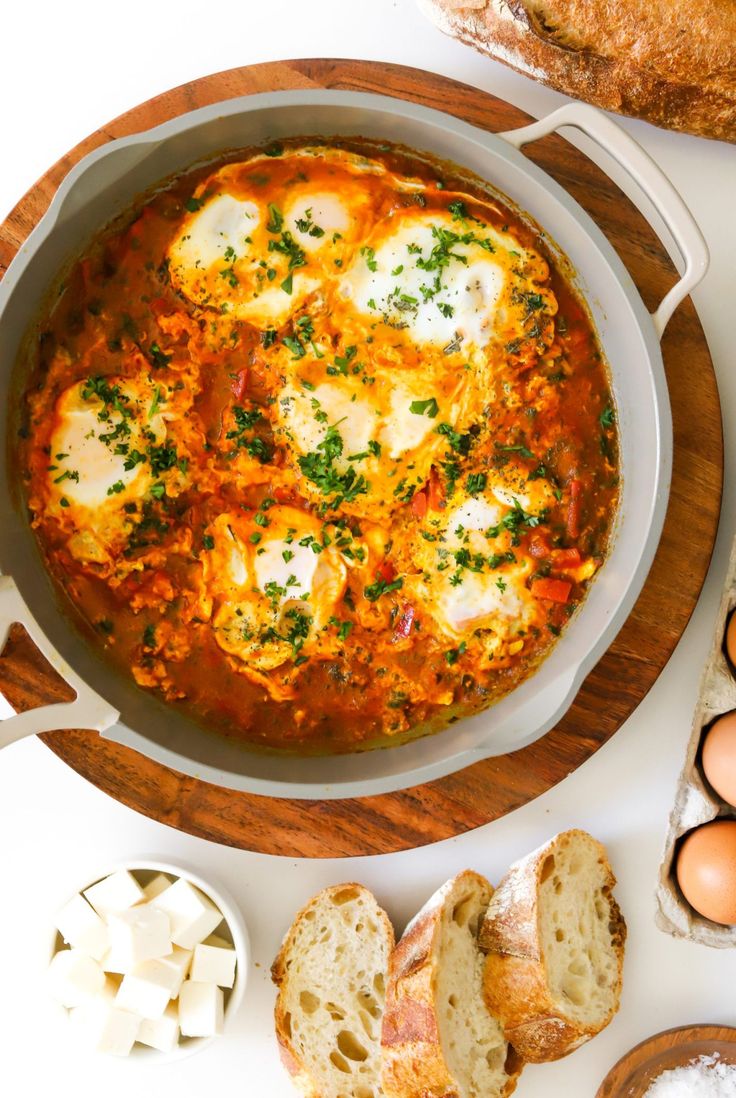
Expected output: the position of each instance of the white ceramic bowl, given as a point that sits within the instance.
(234, 929)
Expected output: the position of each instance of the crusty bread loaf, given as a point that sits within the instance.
(438, 1038)
(331, 973)
(672, 62)
(555, 937)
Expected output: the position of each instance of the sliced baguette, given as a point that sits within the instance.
(438, 1039)
(555, 938)
(331, 974)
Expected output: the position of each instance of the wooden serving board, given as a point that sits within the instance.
(635, 1072)
(613, 689)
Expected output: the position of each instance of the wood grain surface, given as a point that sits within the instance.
(634, 1073)
(613, 689)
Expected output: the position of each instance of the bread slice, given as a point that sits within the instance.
(555, 937)
(331, 976)
(438, 1039)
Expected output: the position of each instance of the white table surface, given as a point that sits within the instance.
(68, 68)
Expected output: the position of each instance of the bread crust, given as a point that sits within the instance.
(515, 981)
(666, 61)
(289, 1056)
(413, 1062)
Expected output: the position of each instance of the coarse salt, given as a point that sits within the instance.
(706, 1077)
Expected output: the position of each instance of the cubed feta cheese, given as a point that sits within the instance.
(161, 1033)
(74, 977)
(214, 962)
(156, 886)
(141, 933)
(114, 893)
(82, 928)
(105, 1028)
(147, 989)
(178, 962)
(193, 916)
(115, 962)
(200, 1009)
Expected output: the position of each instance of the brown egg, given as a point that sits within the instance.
(706, 870)
(719, 756)
(731, 639)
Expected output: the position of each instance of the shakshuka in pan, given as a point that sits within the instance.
(320, 443)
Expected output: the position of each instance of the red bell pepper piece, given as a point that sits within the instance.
(405, 622)
(556, 590)
(419, 504)
(240, 383)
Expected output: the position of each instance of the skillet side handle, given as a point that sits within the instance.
(650, 179)
(86, 710)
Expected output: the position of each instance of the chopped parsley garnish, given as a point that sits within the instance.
(296, 348)
(116, 488)
(534, 302)
(425, 407)
(452, 655)
(522, 451)
(158, 358)
(162, 458)
(275, 222)
(346, 359)
(515, 521)
(208, 542)
(607, 418)
(381, 587)
(369, 255)
(277, 149)
(476, 483)
(319, 467)
(459, 443)
(268, 337)
(343, 627)
(149, 636)
(306, 225)
(458, 210)
(193, 204)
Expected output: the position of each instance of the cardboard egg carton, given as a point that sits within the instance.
(696, 802)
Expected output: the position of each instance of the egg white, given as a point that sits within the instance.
(89, 472)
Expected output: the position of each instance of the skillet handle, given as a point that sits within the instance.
(651, 180)
(86, 710)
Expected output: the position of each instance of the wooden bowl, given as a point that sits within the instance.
(634, 1073)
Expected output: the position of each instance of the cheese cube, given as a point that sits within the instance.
(178, 962)
(214, 962)
(103, 1027)
(74, 977)
(147, 989)
(82, 928)
(156, 886)
(141, 933)
(193, 916)
(114, 893)
(116, 963)
(200, 1009)
(161, 1033)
